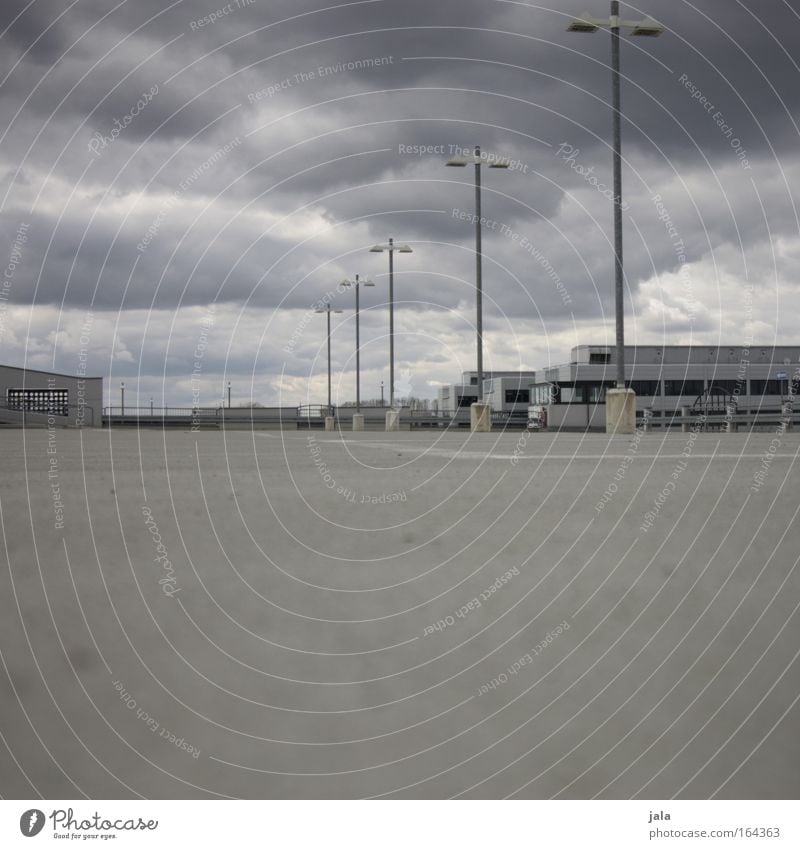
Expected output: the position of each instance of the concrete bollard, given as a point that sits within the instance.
(358, 421)
(480, 417)
(620, 410)
(392, 420)
(330, 423)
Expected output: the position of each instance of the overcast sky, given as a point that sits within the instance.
(182, 183)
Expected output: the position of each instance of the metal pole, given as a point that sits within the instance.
(382, 404)
(617, 156)
(358, 357)
(151, 406)
(122, 398)
(391, 323)
(330, 408)
(229, 394)
(478, 272)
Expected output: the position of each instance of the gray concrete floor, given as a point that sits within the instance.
(399, 615)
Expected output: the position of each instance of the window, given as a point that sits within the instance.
(717, 387)
(599, 359)
(765, 387)
(54, 402)
(465, 400)
(517, 396)
(597, 392)
(545, 393)
(590, 392)
(692, 388)
(473, 381)
(646, 388)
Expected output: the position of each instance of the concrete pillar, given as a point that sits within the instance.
(684, 419)
(620, 411)
(392, 420)
(330, 423)
(480, 417)
(358, 421)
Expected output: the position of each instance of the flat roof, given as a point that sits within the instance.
(54, 373)
(612, 346)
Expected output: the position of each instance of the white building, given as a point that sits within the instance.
(667, 378)
(506, 391)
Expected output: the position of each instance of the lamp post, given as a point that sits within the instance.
(382, 404)
(151, 406)
(229, 394)
(358, 283)
(461, 162)
(328, 311)
(647, 27)
(391, 247)
(122, 396)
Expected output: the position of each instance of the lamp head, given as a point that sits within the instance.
(583, 24)
(403, 249)
(457, 162)
(648, 27)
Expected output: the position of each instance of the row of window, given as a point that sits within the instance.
(590, 392)
(693, 388)
(518, 396)
(53, 402)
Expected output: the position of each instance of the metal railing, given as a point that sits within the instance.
(688, 419)
(201, 416)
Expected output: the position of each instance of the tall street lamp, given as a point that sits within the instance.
(461, 162)
(229, 394)
(391, 247)
(647, 27)
(328, 310)
(358, 283)
(122, 396)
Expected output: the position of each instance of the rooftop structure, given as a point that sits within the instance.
(45, 398)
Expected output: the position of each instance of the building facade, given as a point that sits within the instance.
(506, 391)
(33, 397)
(668, 379)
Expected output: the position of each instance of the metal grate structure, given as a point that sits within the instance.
(52, 402)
